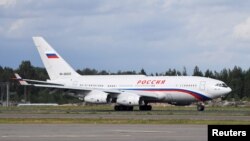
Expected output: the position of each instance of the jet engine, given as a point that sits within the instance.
(97, 97)
(128, 99)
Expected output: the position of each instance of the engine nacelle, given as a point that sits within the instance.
(128, 99)
(97, 97)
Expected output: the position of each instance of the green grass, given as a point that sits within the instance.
(108, 109)
(122, 117)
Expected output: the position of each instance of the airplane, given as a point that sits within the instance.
(126, 91)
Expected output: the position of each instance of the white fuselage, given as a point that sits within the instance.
(172, 89)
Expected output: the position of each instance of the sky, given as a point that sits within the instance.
(127, 35)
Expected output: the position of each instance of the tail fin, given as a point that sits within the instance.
(55, 65)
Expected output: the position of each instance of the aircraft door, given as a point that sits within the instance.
(75, 83)
(202, 86)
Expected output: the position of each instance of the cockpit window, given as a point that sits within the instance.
(221, 85)
(224, 85)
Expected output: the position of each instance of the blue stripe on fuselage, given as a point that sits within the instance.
(197, 96)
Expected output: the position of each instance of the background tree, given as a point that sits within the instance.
(209, 74)
(246, 93)
(142, 72)
(171, 72)
(197, 71)
(237, 79)
(236, 82)
(184, 72)
(88, 71)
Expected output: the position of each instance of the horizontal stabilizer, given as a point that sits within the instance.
(34, 82)
(20, 80)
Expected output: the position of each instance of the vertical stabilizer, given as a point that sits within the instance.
(55, 65)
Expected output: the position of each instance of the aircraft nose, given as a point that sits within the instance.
(228, 90)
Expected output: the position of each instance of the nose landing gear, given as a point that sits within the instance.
(200, 107)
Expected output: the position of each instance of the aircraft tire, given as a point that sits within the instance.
(145, 108)
(116, 108)
(123, 108)
(200, 107)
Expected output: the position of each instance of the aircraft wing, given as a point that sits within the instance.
(45, 84)
(73, 88)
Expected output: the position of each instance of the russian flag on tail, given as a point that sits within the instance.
(52, 55)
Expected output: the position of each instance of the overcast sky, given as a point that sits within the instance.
(129, 34)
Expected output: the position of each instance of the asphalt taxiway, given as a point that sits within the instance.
(103, 132)
(112, 132)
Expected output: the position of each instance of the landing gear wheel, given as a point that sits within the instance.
(116, 108)
(200, 107)
(145, 108)
(123, 108)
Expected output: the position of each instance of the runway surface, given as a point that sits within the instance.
(128, 116)
(103, 132)
(112, 132)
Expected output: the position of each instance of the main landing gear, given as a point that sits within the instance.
(145, 108)
(131, 108)
(200, 107)
(123, 108)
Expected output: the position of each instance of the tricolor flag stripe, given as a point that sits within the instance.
(52, 55)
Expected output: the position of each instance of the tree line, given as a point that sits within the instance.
(236, 78)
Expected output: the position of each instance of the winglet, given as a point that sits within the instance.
(21, 81)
